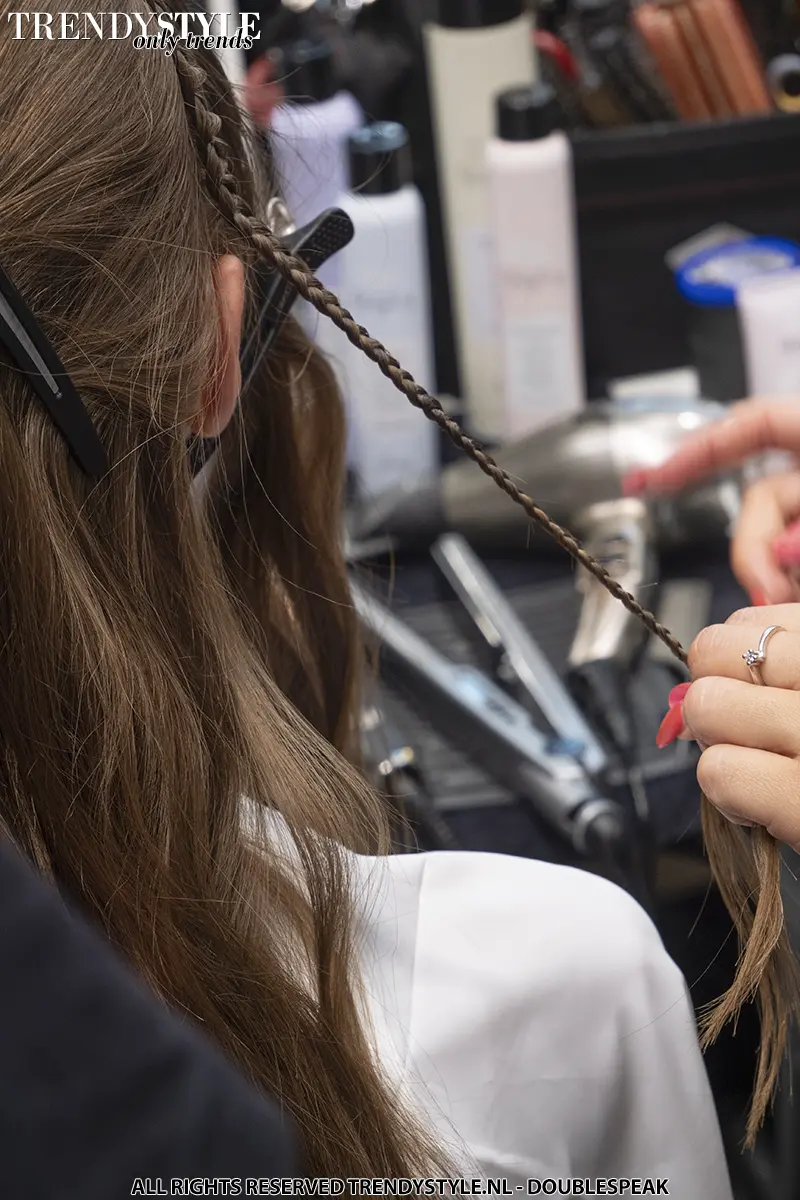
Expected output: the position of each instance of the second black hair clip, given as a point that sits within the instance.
(314, 244)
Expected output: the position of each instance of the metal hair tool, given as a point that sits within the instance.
(399, 775)
(314, 245)
(609, 638)
(621, 538)
(487, 721)
(568, 468)
(521, 662)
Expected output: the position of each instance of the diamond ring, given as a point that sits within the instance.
(755, 659)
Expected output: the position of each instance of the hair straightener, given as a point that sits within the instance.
(604, 651)
(520, 662)
(545, 769)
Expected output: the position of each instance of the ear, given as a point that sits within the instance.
(219, 403)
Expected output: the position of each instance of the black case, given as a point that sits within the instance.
(644, 190)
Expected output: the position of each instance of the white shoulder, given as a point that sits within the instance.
(506, 916)
(537, 1012)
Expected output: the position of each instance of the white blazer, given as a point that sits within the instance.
(532, 1014)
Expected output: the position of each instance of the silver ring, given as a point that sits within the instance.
(755, 659)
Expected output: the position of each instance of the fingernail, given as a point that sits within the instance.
(678, 694)
(634, 483)
(759, 599)
(671, 727)
(787, 550)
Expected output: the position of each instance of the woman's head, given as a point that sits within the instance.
(98, 159)
(141, 698)
(138, 710)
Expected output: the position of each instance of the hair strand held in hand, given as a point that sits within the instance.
(767, 967)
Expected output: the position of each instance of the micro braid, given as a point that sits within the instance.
(747, 872)
(224, 187)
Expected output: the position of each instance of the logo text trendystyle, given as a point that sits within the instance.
(145, 29)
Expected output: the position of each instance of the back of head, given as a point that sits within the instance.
(136, 711)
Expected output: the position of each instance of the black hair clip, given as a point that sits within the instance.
(314, 245)
(27, 345)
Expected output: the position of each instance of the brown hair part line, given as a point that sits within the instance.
(747, 867)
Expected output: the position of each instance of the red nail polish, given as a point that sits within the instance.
(634, 483)
(787, 550)
(678, 694)
(759, 599)
(671, 727)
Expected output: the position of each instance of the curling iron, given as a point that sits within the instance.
(486, 720)
(569, 468)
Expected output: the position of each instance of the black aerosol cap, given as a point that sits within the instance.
(306, 70)
(525, 114)
(380, 159)
(477, 14)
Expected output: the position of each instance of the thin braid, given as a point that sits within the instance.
(310, 288)
(749, 874)
(209, 127)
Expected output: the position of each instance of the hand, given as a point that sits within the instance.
(261, 95)
(765, 554)
(749, 734)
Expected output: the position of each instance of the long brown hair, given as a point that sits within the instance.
(746, 866)
(122, 645)
(137, 711)
(275, 492)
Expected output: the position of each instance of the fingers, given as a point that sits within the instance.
(787, 547)
(750, 786)
(720, 649)
(785, 615)
(768, 507)
(719, 711)
(749, 735)
(261, 93)
(751, 427)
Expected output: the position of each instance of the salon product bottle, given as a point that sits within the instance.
(384, 280)
(769, 320)
(769, 316)
(709, 282)
(532, 207)
(474, 49)
(310, 131)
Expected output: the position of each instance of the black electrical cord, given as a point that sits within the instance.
(600, 689)
(421, 826)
